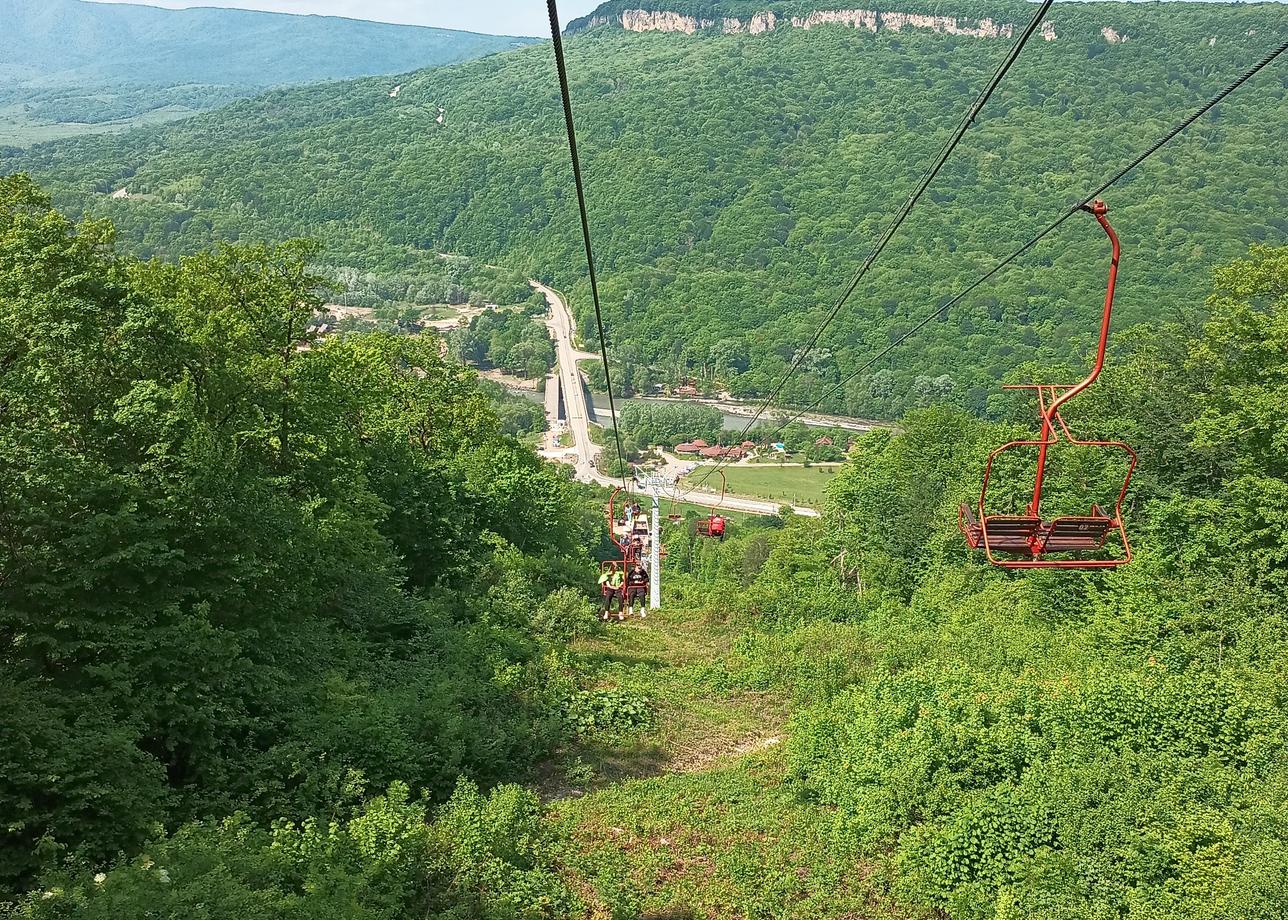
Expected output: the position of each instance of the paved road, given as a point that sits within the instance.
(583, 452)
(577, 415)
(739, 503)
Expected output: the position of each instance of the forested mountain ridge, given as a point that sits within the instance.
(965, 17)
(71, 61)
(735, 181)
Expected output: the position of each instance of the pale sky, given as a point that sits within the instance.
(500, 17)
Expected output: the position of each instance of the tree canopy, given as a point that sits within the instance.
(243, 569)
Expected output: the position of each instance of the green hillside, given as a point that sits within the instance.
(295, 624)
(76, 67)
(735, 182)
(292, 629)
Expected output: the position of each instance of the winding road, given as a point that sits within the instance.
(567, 378)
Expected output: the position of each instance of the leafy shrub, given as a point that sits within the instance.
(486, 857)
(986, 784)
(371, 867)
(497, 855)
(111, 793)
(564, 615)
(607, 713)
(813, 662)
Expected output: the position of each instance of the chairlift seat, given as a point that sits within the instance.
(1006, 533)
(1073, 533)
(1070, 541)
(1012, 533)
(1028, 535)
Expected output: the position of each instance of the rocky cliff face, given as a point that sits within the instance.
(657, 21)
(767, 21)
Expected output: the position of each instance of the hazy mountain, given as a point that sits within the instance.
(68, 62)
(71, 41)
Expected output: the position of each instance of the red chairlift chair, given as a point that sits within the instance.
(713, 525)
(632, 543)
(1030, 540)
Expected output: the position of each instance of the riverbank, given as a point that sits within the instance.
(736, 413)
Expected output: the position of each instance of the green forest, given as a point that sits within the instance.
(303, 633)
(295, 623)
(243, 582)
(510, 340)
(734, 185)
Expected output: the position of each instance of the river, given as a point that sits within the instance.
(730, 421)
(733, 421)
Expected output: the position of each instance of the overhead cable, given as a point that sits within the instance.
(562, 67)
(900, 216)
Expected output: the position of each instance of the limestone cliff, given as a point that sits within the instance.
(641, 20)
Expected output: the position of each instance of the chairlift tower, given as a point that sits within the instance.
(655, 485)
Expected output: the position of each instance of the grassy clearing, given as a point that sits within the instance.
(800, 485)
(702, 510)
(696, 816)
(663, 659)
(17, 130)
(731, 842)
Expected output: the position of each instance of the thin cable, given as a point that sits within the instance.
(909, 203)
(585, 229)
(1113, 180)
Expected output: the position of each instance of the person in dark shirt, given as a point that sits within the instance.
(637, 587)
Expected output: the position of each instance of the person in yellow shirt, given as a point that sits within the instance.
(611, 583)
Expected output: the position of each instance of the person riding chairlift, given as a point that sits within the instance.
(611, 583)
(717, 526)
(637, 588)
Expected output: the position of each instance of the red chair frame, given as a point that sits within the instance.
(703, 528)
(626, 546)
(1030, 535)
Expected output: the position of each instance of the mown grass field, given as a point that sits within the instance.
(800, 485)
(702, 510)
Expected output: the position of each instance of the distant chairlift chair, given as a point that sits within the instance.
(713, 525)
